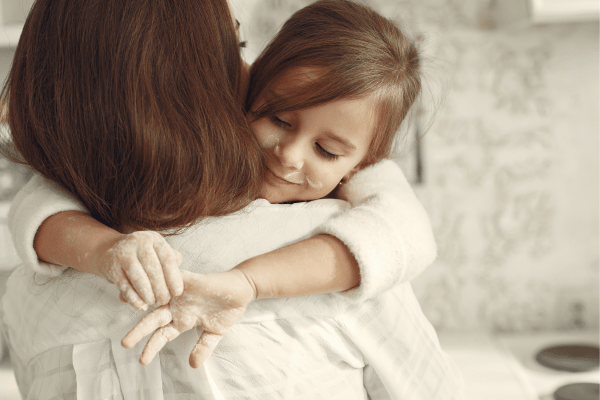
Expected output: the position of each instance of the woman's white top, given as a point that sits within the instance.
(64, 332)
(386, 228)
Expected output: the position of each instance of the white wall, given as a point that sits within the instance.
(512, 181)
(7, 256)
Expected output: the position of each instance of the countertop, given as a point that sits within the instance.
(503, 366)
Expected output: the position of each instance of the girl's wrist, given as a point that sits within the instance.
(244, 272)
(239, 284)
(248, 283)
(100, 252)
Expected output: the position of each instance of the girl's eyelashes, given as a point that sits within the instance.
(279, 122)
(320, 149)
(329, 156)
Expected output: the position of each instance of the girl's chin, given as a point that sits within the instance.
(276, 194)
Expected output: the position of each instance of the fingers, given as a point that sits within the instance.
(154, 320)
(145, 268)
(204, 348)
(140, 281)
(170, 260)
(154, 271)
(157, 341)
(128, 292)
(159, 263)
(124, 268)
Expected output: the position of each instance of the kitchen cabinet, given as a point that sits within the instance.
(547, 11)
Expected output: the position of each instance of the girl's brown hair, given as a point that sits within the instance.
(356, 53)
(135, 107)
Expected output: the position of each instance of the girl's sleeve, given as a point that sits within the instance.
(38, 200)
(386, 229)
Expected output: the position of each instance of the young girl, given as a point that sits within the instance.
(321, 119)
(321, 116)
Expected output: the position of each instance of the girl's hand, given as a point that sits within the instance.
(143, 266)
(212, 301)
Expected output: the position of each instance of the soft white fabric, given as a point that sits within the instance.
(386, 229)
(64, 332)
(36, 201)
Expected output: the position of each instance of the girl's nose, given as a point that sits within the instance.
(290, 153)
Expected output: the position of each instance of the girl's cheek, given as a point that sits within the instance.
(267, 138)
(314, 183)
(271, 141)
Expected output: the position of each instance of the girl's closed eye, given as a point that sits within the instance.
(280, 122)
(329, 156)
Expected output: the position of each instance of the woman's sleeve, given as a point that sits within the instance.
(400, 362)
(386, 229)
(38, 200)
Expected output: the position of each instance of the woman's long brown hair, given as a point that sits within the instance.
(355, 53)
(134, 106)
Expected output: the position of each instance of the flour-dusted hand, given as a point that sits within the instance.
(214, 302)
(144, 267)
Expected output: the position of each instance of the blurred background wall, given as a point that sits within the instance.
(510, 168)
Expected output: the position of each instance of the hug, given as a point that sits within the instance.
(249, 220)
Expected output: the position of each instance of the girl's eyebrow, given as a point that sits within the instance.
(341, 140)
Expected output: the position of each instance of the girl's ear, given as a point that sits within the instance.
(350, 174)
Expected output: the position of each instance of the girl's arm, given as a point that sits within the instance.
(386, 229)
(33, 204)
(383, 239)
(320, 264)
(51, 231)
(142, 264)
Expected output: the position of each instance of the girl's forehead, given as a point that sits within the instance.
(295, 78)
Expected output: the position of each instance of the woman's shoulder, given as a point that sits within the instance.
(220, 243)
(324, 203)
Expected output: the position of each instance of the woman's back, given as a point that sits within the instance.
(302, 347)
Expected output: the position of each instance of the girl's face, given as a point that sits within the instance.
(309, 151)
